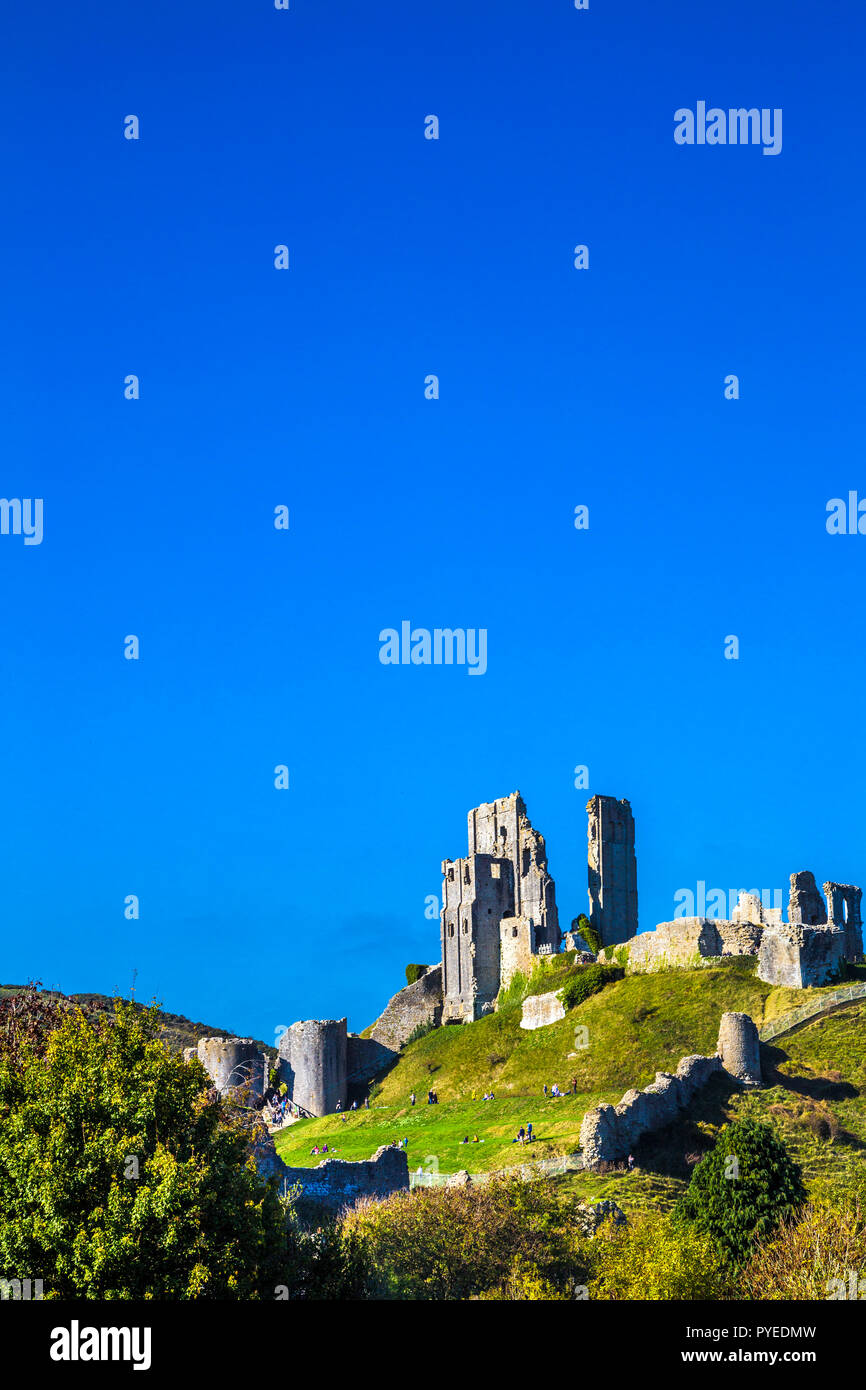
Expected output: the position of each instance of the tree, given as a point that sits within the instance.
(122, 1175)
(743, 1188)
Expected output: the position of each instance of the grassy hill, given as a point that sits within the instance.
(634, 1028)
(176, 1031)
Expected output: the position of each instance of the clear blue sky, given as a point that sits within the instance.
(306, 387)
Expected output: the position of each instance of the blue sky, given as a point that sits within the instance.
(305, 387)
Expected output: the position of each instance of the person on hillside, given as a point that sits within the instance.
(521, 1135)
(545, 1088)
(630, 1162)
(429, 1097)
(412, 1098)
(366, 1102)
(529, 1131)
(574, 1085)
(475, 1139)
(339, 1105)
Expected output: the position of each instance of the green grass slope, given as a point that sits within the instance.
(633, 1028)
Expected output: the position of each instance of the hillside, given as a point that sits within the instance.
(635, 1027)
(177, 1031)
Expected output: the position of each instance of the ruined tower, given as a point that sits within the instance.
(498, 908)
(312, 1060)
(612, 869)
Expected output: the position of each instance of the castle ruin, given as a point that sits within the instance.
(810, 948)
(499, 916)
(498, 908)
(612, 868)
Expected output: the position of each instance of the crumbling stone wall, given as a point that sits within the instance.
(610, 1132)
(365, 1059)
(312, 1060)
(612, 869)
(805, 904)
(797, 956)
(541, 1009)
(843, 910)
(418, 1003)
(336, 1184)
(690, 941)
(806, 951)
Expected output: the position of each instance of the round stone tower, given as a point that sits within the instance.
(234, 1064)
(313, 1063)
(740, 1049)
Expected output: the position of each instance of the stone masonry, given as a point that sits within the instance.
(843, 910)
(609, 1133)
(612, 869)
(805, 903)
(312, 1061)
(336, 1184)
(740, 1048)
(501, 892)
(808, 949)
(418, 1003)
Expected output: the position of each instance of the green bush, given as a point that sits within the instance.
(414, 972)
(589, 981)
(743, 1188)
(121, 1175)
(583, 925)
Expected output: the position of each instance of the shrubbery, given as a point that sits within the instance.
(592, 938)
(589, 981)
(454, 1243)
(743, 1188)
(121, 1175)
(805, 1255)
(656, 1257)
(414, 972)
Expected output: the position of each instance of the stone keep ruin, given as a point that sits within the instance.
(498, 908)
(499, 916)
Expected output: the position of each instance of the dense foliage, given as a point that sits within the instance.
(743, 1188)
(592, 938)
(588, 982)
(460, 1242)
(414, 972)
(121, 1175)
